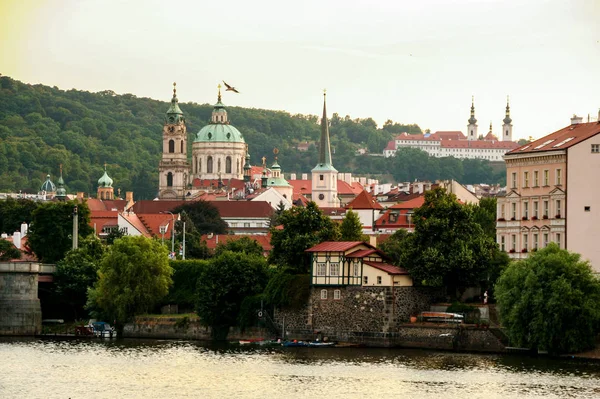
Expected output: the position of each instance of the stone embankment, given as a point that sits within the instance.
(20, 310)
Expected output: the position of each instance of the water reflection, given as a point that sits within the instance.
(175, 369)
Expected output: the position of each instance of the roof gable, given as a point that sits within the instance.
(364, 200)
(561, 139)
(337, 246)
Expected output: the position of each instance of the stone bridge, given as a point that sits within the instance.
(20, 311)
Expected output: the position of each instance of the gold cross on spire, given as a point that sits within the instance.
(324, 92)
(105, 166)
(264, 159)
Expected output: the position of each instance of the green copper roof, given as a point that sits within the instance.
(105, 180)
(174, 113)
(48, 186)
(61, 191)
(277, 182)
(323, 167)
(216, 132)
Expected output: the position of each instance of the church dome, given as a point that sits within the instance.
(48, 186)
(105, 180)
(218, 132)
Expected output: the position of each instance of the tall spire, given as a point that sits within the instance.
(219, 96)
(472, 119)
(174, 113)
(61, 192)
(490, 126)
(325, 147)
(507, 119)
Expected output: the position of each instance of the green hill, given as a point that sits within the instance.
(42, 127)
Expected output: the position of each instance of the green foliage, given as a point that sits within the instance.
(485, 214)
(351, 227)
(223, 286)
(78, 272)
(244, 244)
(302, 228)
(134, 275)
(448, 247)
(396, 245)
(51, 229)
(186, 274)
(13, 212)
(287, 290)
(8, 251)
(204, 216)
(550, 301)
(249, 308)
(459, 307)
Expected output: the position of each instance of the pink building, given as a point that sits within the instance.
(552, 194)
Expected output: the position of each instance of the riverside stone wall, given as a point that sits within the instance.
(20, 310)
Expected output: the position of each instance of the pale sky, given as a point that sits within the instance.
(409, 61)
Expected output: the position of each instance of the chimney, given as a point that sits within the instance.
(129, 196)
(576, 119)
(17, 239)
(80, 195)
(373, 240)
(304, 176)
(24, 229)
(292, 176)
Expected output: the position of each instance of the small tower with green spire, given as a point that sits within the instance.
(61, 192)
(324, 175)
(277, 181)
(48, 187)
(247, 169)
(173, 168)
(105, 188)
(472, 126)
(507, 126)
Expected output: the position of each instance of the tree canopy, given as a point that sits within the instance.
(204, 216)
(302, 228)
(134, 275)
(550, 301)
(351, 227)
(8, 251)
(244, 245)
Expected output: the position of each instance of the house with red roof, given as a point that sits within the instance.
(353, 263)
(551, 194)
(368, 209)
(213, 240)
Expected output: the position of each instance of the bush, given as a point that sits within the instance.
(287, 290)
(185, 280)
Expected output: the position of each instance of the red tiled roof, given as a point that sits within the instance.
(490, 136)
(147, 206)
(364, 200)
(101, 218)
(243, 209)
(301, 198)
(391, 145)
(344, 188)
(303, 187)
(105, 205)
(449, 135)
(263, 240)
(332, 211)
(137, 223)
(26, 254)
(411, 203)
(214, 183)
(561, 139)
(478, 144)
(153, 221)
(357, 187)
(336, 246)
(389, 269)
(361, 253)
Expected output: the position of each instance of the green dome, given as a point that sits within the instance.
(105, 181)
(217, 132)
(48, 186)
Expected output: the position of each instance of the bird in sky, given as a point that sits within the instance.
(230, 88)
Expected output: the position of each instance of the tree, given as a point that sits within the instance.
(204, 216)
(302, 228)
(78, 272)
(244, 245)
(51, 229)
(8, 251)
(550, 301)
(351, 227)
(134, 275)
(395, 246)
(228, 279)
(448, 247)
(485, 214)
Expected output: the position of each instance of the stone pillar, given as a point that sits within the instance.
(20, 310)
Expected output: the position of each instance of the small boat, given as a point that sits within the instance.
(102, 329)
(442, 317)
(318, 344)
(294, 344)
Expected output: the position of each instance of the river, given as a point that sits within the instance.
(34, 368)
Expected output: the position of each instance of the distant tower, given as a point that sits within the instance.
(105, 188)
(277, 181)
(324, 175)
(61, 192)
(507, 126)
(472, 126)
(48, 187)
(173, 168)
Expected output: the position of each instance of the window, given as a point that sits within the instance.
(586, 208)
(558, 206)
(246, 224)
(171, 146)
(209, 165)
(323, 294)
(545, 240)
(366, 280)
(321, 269)
(535, 210)
(232, 224)
(337, 294)
(321, 177)
(525, 242)
(513, 211)
(595, 148)
(536, 178)
(169, 179)
(181, 146)
(546, 177)
(525, 179)
(535, 241)
(334, 269)
(558, 239)
(356, 268)
(546, 209)
(379, 280)
(502, 243)
(514, 180)
(513, 244)
(502, 211)
(558, 177)
(526, 210)
(228, 165)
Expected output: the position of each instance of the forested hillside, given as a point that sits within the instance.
(42, 127)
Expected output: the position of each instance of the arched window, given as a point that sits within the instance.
(171, 146)
(195, 165)
(219, 165)
(199, 165)
(169, 179)
(228, 165)
(209, 165)
(182, 146)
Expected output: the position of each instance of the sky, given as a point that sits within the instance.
(408, 61)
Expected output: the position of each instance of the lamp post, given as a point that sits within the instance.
(172, 231)
(183, 250)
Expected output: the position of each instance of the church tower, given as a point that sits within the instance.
(324, 175)
(472, 126)
(105, 187)
(507, 126)
(173, 168)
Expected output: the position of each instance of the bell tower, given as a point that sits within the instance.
(324, 175)
(507, 126)
(173, 168)
(472, 126)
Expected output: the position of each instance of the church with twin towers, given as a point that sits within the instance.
(220, 158)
